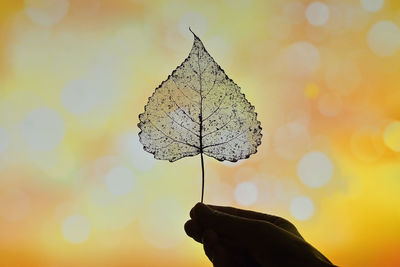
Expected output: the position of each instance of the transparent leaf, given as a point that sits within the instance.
(199, 109)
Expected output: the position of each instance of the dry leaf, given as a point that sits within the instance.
(199, 110)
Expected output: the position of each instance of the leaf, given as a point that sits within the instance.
(199, 110)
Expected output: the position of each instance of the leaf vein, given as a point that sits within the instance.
(225, 142)
(219, 105)
(180, 90)
(218, 129)
(180, 124)
(175, 140)
(187, 115)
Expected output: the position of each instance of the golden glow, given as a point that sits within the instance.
(312, 90)
(391, 136)
(76, 187)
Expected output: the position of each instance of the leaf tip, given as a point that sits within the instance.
(195, 36)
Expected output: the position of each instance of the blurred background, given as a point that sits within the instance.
(76, 187)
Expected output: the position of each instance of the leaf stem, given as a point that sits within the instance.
(201, 125)
(202, 177)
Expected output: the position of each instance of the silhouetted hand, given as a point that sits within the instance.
(233, 237)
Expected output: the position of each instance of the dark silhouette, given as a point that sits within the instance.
(233, 237)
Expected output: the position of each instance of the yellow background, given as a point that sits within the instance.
(77, 189)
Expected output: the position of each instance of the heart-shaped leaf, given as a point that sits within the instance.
(199, 110)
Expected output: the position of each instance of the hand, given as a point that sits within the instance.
(234, 237)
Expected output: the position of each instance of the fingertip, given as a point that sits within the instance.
(196, 207)
(200, 211)
(187, 227)
(193, 230)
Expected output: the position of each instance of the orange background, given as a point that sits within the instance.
(77, 189)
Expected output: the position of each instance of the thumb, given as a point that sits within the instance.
(230, 226)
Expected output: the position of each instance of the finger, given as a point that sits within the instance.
(235, 228)
(276, 220)
(209, 240)
(215, 252)
(193, 230)
(221, 257)
(245, 213)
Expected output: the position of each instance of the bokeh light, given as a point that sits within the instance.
(312, 90)
(76, 228)
(77, 187)
(391, 136)
(301, 208)
(384, 38)
(79, 96)
(372, 5)
(129, 146)
(302, 59)
(317, 13)
(246, 193)
(120, 181)
(46, 12)
(315, 169)
(43, 129)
